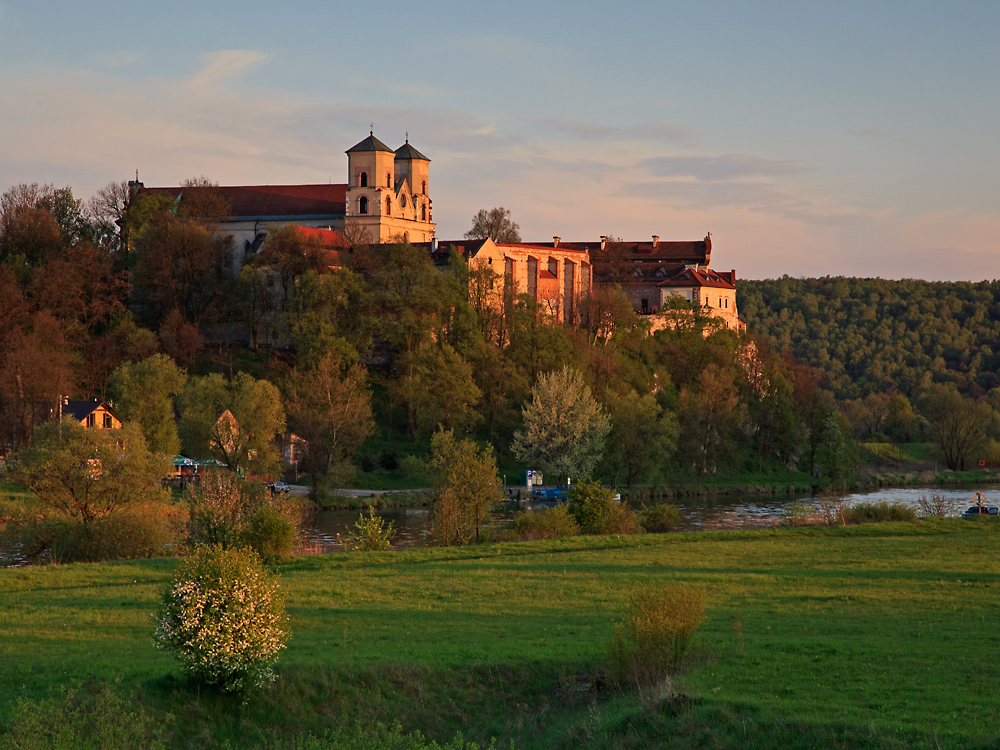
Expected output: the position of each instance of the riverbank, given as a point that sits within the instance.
(845, 636)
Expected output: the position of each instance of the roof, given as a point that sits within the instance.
(701, 277)
(697, 251)
(545, 247)
(80, 410)
(270, 202)
(371, 143)
(406, 151)
(327, 237)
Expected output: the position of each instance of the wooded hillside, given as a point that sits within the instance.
(873, 335)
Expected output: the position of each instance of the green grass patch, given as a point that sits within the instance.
(871, 636)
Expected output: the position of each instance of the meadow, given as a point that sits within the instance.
(883, 635)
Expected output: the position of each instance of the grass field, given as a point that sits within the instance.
(873, 636)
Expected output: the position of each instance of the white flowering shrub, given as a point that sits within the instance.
(223, 618)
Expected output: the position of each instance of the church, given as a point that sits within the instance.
(387, 199)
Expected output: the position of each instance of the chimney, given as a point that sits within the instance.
(555, 242)
(604, 241)
(656, 240)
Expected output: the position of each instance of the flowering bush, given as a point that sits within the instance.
(229, 512)
(223, 618)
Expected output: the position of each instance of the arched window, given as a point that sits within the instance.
(363, 180)
(363, 205)
(423, 187)
(388, 180)
(402, 201)
(388, 206)
(423, 213)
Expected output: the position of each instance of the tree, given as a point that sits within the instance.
(330, 408)
(445, 395)
(468, 486)
(234, 422)
(495, 223)
(643, 436)
(709, 417)
(144, 392)
(106, 211)
(88, 475)
(564, 426)
(958, 424)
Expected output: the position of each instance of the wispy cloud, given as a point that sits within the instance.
(586, 130)
(225, 64)
(722, 167)
(121, 60)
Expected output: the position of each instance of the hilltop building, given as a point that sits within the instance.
(387, 199)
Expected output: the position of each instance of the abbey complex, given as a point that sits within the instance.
(387, 199)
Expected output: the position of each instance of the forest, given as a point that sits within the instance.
(133, 299)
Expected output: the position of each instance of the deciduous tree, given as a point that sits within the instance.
(144, 393)
(468, 486)
(564, 426)
(495, 223)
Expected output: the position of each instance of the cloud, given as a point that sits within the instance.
(225, 64)
(121, 60)
(586, 130)
(723, 167)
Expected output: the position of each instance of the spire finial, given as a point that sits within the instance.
(407, 136)
(371, 129)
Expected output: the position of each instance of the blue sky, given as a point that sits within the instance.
(810, 138)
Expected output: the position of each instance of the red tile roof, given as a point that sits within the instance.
(263, 202)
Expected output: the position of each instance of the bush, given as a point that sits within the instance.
(416, 468)
(75, 720)
(223, 618)
(141, 530)
(598, 512)
(659, 518)
(651, 642)
(799, 513)
(878, 512)
(935, 505)
(548, 523)
(226, 511)
(370, 534)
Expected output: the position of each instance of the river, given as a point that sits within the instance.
(699, 513)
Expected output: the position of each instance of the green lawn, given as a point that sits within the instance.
(875, 636)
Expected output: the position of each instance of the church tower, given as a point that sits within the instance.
(387, 192)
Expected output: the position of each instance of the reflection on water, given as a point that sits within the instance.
(699, 513)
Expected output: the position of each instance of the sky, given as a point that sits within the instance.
(841, 138)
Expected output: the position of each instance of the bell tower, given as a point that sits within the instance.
(387, 191)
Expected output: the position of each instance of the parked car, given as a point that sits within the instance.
(975, 511)
(280, 487)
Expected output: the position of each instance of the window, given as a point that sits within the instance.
(388, 180)
(423, 187)
(108, 422)
(423, 213)
(363, 180)
(90, 420)
(402, 201)
(388, 206)
(363, 205)
(727, 303)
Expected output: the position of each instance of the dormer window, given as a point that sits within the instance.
(363, 180)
